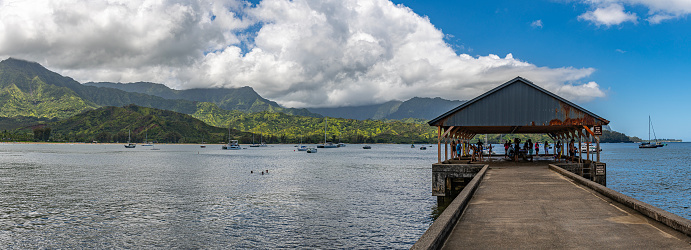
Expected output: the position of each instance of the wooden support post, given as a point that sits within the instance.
(580, 152)
(438, 144)
(446, 148)
(597, 149)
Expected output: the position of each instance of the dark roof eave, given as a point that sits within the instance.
(518, 78)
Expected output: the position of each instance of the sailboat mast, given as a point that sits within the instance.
(326, 121)
(648, 128)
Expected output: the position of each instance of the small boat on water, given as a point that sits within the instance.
(311, 150)
(262, 144)
(648, 144)
(423, 148)
(146, 141)
(340, 145)
(412, 145)
(232, 145)
(129, 144)
(367, 147)
(326, 143)
(202, 146)
(302, 148)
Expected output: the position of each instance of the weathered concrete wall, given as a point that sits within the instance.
(576, 168)
(442, 172)
(436, 234)
(587, 170)
(672, 220)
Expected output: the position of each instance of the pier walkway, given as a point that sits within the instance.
(526, 205)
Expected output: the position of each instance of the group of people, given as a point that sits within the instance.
(512, 150)
(570, 148)
(472, 149)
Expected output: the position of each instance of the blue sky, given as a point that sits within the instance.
(644, 68)
(621, 59)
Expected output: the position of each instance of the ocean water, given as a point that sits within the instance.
(183, 196)
(657, 176)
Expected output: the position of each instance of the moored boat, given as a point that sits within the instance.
(129, 144)
(326, 143)
(232, 145)
(647, 144)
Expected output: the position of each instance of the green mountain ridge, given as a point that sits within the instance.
(112, 124)
(243, 99)
(30, 75)
(287, 128)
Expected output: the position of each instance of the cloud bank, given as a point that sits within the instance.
(612, 12)
(299, 53)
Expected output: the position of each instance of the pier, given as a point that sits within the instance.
(536, 202)
(539, 205)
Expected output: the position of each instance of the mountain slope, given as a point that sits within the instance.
(113, 123)
(15, 71)
(23, 94)
(244, 99)
(417, 107)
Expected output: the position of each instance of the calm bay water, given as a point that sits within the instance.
(657, 176)
(182, 196)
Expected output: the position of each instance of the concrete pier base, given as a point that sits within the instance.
(450, 177)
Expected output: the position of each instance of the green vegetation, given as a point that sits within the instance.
(243, 99)
(111, 124)
(285, 128)
(23, 95)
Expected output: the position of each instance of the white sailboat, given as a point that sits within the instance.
(327, 144)
(302, 147)
(146, 140)
(262, 144)
(129, 138)
(648, 144)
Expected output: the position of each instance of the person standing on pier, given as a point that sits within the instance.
(529, 146)
(516, 148)
(507, 144)
(546, 147)
(458, 150)
(572, 150)
(537, 149)
(558, 155)
(479, 148)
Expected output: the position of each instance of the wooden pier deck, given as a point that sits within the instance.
(529, 206)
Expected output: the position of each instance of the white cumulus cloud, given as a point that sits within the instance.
(613, 12)
(301, 53)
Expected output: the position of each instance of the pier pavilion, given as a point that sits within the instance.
(517, 107)
(540, 204)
